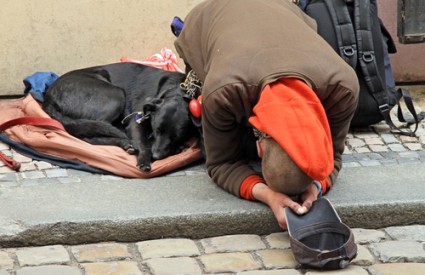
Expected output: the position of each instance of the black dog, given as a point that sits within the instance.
(138, 108)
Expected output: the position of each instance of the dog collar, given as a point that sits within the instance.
(139, 116)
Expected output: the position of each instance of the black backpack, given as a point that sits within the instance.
(353, 29)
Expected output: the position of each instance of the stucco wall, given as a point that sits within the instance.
(409, 61)
(61, 35)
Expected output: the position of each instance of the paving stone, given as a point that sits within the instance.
(68, 180)
(389, 155)
(6, 262)
(50, 270)
(277, 258)
(398, 269)
(8, 177)
(361, 156)
(364, 257)
(356, 142)
(4, 272)
(43, 255)
(112, 268)
(379, 148)
(389, 162)
(83, 174)
(181, 265)
(6, 169)
(420, 132)
(374, 141)
(369, 163)
(271, 272)
(407, 139)
(411, 155)
(389, 138)
(100, 252)
(407, 233)
(56, 173)
(365, 134)
(375, 156)
(350, 270)
(407, 160)
(49, 181)
(398, 251)
(168, 248)
(8, 184)
(278, 240)
(29, 166)
(110, 177)
(351, 164)
(20, 158)
(362, 150)
(397, 148)
(30, 182)
(366, 236)
(33, 175)
(422, 140)
(348, 158)
(43, 165)
(413, 146)
(229, 262)
(232, 243)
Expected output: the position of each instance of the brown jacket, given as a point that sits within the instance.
(236, 47)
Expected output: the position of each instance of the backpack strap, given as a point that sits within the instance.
(366, 57)
(344, 30)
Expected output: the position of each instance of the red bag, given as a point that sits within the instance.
(52, 140)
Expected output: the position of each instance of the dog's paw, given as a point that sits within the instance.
(144, 167)
(130, 149)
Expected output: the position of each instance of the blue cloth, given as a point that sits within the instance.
(177, 26)
(38, 83)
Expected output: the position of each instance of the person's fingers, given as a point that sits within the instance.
(308, 203)
(297, 208)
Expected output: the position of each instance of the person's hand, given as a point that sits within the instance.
(278, 201)
(310, 195)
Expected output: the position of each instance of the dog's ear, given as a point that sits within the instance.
(152, 105)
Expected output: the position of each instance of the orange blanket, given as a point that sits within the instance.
(59, 143)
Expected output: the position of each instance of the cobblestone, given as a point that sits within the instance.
(386, 251)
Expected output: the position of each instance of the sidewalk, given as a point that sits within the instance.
(183, 224)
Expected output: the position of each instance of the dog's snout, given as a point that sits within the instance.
(162, 150)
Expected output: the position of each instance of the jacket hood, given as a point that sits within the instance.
(291, 113)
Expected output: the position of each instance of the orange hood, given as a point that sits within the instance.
(291, 113)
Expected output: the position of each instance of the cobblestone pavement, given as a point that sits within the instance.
(393, 250)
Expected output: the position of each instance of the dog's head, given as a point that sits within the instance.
(170, 122)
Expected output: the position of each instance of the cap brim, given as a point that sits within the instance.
(321, 211)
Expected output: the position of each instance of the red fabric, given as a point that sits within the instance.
(326, 185)
(59, 143)
(292, 114)
(247, 185)
(165, 60)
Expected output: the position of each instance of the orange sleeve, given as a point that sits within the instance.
(248, 183)
(326, 185)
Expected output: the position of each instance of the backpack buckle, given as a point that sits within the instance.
(368, 57)
(384, 108)
(348, 51)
